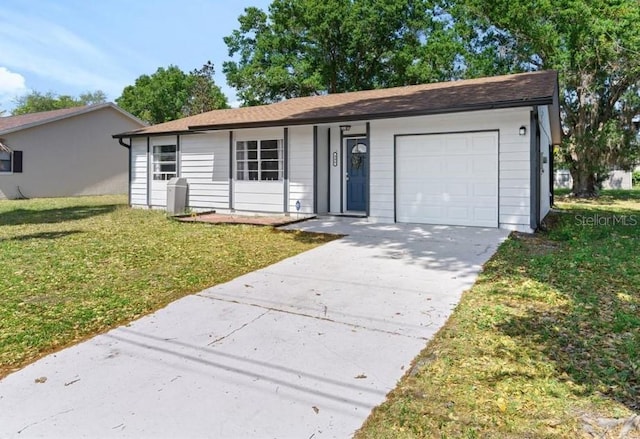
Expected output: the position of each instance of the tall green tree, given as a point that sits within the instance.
(205, 95)
(306, 47)
(595, 46)
(170, 94)
(36, 101)
(159, 97)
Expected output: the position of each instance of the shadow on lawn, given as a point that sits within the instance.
(53, 216)
(42, 235)
(594, 339)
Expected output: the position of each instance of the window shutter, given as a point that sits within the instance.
(17, 162)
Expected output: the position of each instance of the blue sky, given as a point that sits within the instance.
(69, 47)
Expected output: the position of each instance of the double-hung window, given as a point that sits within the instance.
(165, 162)
(259, 160)
(10, 161)
(6, 161)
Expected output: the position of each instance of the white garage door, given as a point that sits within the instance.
(448, 179)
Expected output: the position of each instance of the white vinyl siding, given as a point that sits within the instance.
(139, 176)
(448, 179)
(301, 169)
(515, 177)
(323, 169)
(335, 172)
(205, 165)
(259, 196)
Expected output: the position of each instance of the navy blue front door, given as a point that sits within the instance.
(357, 170)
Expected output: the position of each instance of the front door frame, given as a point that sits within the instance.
(344, 169)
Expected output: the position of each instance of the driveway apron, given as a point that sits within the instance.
(304, 348)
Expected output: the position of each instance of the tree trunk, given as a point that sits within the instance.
(585, 184)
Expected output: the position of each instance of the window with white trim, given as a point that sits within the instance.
(260, 160)
(165, 162)
(6, 161)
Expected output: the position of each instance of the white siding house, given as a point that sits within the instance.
(471, 153)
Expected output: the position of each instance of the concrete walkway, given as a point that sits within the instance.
(302, 349)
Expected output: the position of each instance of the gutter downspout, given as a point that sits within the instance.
(124, 144)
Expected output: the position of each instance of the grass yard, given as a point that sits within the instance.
(74, 267)
(546, 344)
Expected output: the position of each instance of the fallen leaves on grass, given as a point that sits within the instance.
(550, 330)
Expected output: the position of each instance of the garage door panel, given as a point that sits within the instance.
(458, 213)
(460, 166)
(484, 213)
(481, 167)
(448, 179)
(459, 189)
(457, 147)
(425, 165)
(484, 145)
(485, 189)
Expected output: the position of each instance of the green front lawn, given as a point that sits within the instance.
(74, 267)
(546, 344)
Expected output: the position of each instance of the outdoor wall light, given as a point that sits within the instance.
(523, 130)
(345, 128)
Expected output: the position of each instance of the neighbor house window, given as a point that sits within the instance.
(5, 161)
(259, 160)
(165, 162)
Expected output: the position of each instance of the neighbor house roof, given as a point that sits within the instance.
(525, 89)
(11, 124)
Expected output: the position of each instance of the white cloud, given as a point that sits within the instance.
(11, 83)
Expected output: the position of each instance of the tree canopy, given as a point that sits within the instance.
(170, 94)
(595, 46)
(35, 101)
(306, 47)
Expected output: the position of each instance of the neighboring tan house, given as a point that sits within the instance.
(472, 153)
(64, 152)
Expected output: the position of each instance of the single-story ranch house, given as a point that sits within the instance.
(65, 152)
(474, 153)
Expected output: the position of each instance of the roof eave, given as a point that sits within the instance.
(134, 134)
(81, 110)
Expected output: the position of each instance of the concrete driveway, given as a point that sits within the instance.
(302, 349)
